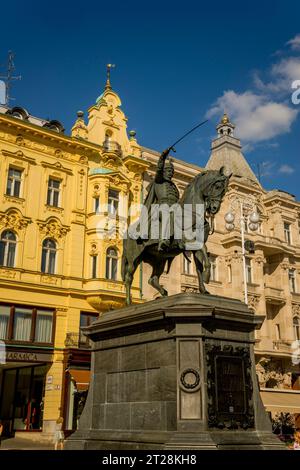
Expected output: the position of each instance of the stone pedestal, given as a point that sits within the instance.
(175, 373)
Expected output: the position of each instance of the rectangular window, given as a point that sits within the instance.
(4, 321)
(292, 280)
(94, 266)
(229, 273)
(14, 182)
(248, 271)
(277, 331)
(113, 201)
(213, 268)
(111, 268)
(86, 319)
(26, 324)
(43, 326)
(296, 325)
(287, 233)
(22, 324)
(53, 192)
(186, 266)
(97, 205)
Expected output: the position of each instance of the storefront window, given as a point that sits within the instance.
(22, 324)
(22, 399)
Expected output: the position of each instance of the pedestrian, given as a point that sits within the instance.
(59, 434)
(1, 431)
(296, 445)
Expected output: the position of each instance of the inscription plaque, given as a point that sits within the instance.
(229, 387)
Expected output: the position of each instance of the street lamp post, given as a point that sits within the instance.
(244, 216)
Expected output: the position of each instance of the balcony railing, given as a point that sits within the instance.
(274, 295)
(282, 345)
(77, 340)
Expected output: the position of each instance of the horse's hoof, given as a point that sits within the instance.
(205, 292)
(165, 294)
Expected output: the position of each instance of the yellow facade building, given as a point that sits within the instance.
(60, 260)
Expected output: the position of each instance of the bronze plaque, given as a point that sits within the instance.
(229, 387)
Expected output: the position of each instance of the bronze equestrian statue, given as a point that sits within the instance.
(207, 191)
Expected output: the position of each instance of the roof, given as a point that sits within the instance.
(227, 152)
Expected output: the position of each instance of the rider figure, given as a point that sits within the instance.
(164, 191)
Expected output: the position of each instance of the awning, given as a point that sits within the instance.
(81, 378)
(284, 401)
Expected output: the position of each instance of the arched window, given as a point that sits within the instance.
(296, 325)
(8, 249)
(111, 263)
(48, 256)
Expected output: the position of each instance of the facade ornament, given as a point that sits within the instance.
(228, 260)
(84, 160)
(192, 290)
(49, 279)
(53, 228)
(253, 301)
(271, 375)
(260, 260)
(8, 273)
(20, 140)
(285, 266)
(79, 130)
(96, 191)
(93, 250)
(14, 220)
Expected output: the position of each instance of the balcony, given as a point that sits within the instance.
(77, 340)
(282, 345)
(274, 295)
(189, 283)
(295, 297)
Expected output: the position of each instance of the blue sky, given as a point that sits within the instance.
(176, 62)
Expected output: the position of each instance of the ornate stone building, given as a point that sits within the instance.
(272, 268)
(64, 202)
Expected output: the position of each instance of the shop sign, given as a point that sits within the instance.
(27, 356)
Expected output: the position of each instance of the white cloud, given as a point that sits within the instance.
(282, 74)
(294, 43)
(264, 112)
(256, 117)
(266, 168)
(286, 169)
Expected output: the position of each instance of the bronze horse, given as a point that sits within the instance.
(207, 188)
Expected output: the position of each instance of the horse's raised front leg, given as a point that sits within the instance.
(199, 261)
(157, 271)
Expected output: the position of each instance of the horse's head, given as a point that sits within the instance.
(214, 186)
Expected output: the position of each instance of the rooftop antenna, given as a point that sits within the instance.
(9, 77)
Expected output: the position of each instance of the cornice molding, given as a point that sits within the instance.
(19, 155)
